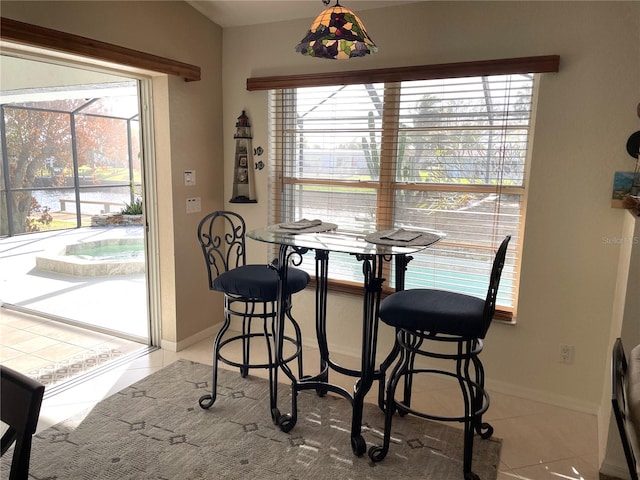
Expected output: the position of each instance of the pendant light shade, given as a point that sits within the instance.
(337, 33)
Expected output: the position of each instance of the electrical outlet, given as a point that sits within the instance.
(193, 205)
(566, 353)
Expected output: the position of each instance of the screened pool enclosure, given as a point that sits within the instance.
(68, 153)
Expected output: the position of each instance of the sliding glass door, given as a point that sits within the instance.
(72, 224)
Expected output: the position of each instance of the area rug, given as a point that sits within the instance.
(156, 430)
(61, 371)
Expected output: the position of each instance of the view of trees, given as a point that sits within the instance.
(31, 137)
(457, 138)
(449, 151)
(59, 145)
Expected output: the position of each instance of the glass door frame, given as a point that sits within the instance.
(148, 166)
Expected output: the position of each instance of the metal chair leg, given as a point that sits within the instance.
(206, 401)
(249, 312)
(469, 374)
(378, 452)
(467, 390)
(382, 379)
(297, 336)
(484, 429)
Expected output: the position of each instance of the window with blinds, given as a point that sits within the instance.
(445, 154)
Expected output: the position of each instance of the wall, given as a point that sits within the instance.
(18, 73)
(585, 114)
(188, 134)
(625, 325)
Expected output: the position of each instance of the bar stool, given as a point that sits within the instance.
(250, 292)
(424, 318)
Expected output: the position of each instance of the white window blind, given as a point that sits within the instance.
(444, 154)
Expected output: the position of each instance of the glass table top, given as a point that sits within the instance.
(345, 242)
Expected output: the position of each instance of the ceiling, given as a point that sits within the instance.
(236, 13)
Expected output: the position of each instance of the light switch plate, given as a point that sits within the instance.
(189, 178)
(193, 205)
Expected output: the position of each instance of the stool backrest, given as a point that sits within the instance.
(21, 401)
(222, 238)
(494, 283)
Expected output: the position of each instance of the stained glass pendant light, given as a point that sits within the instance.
(337, 33)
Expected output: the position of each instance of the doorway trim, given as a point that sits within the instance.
(103, 53)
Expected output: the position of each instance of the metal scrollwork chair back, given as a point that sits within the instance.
(222, 238)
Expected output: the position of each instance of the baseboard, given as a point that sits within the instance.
(543, 397)
(506, 388)
(187, 342)
(493, 386)
(611, 470)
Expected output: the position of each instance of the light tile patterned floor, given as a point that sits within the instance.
(52, 352)
(114, 302)
(540, 441)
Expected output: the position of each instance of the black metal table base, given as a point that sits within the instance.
(372, 268)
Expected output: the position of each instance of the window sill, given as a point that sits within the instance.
(502, 315)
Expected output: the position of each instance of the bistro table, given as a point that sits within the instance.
(295, 243)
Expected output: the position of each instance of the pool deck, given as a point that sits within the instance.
(116, 302)
(87, 259)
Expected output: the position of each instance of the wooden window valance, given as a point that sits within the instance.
(539, 64)
(37, 36)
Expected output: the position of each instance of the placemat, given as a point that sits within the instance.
(403, 237)
(322, 227)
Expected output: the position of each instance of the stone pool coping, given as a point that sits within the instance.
(61, 262)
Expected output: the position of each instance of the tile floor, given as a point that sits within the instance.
(52, 352)
(540, 441)
(117, 302)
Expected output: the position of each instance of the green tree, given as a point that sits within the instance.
(39, 145)
(35, 140)
(460, 155)
(370, 148)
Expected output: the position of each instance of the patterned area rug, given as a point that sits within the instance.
(156, 430)
(83, 362)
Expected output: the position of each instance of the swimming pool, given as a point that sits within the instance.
(113, 256)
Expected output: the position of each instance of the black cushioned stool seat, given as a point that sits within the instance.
(458, 323)
(435, 310)
(259, 282)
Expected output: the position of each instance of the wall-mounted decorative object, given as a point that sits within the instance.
(337, 33)
(243, 183)
(630, 191)
(631, 199)
(633, 148)
(622, 182)
(257, 152)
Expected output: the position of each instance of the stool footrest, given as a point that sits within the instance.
(271, 364)
(470, 383)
